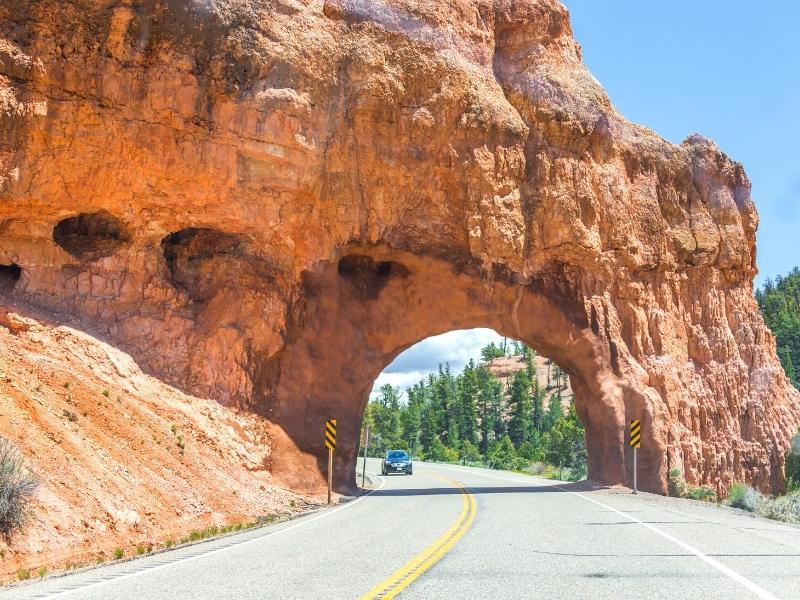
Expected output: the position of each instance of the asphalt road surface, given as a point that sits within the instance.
(455, 532)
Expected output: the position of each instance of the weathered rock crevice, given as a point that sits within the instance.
(89, 236)
(9, 276)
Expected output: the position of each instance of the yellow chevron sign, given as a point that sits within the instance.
(330, 434)
(636, 434)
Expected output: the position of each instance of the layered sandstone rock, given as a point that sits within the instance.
(264, 201)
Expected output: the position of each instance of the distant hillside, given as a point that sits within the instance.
(504, 368)
(779, 301)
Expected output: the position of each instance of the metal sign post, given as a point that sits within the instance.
(366, 445)
(330, 443)
(635, 443)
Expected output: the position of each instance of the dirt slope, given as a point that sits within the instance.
(105, 440)
(504, 368)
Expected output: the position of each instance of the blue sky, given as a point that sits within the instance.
(727, 70)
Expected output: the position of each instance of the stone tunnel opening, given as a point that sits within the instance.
(476, 398)
(354, 317)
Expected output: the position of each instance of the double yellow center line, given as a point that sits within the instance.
(402, 578)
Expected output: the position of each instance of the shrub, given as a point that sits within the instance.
(701, 493)
(676, 486)
(783, 508)
(23, 574)
(17, 490)
(42, 571)
(118, 553)
(743, 496)
(169, 543)
(106, 393)
(470, 452)
(502, 454)
(527, 451)
(70, 416)
(140, 550)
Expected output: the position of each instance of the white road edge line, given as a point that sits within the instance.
(737, 577)
(302, 523)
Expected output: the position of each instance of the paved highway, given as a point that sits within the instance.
(454, 532)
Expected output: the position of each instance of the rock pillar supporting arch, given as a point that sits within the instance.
(361, 311)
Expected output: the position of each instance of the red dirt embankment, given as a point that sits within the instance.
(123, 459)
(504, 368)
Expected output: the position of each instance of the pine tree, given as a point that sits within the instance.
(429, 429)
(498, 409)
(411, 419)
(468, 398)
(491, 351)
(502, 454)
(779, 301)
(385, 412)
(519, 425)
(447, 406)
(555, 411)
(489, 390)
(538, 416)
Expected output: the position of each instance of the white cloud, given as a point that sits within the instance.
(454, 348)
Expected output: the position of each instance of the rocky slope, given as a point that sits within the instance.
(264, 201)
(123, 459)
(504, 368)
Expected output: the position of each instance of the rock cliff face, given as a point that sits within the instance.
(265, 201)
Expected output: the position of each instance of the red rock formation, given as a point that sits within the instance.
(123, 460)
(265, 201)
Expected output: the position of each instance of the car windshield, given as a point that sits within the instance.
(396, 455)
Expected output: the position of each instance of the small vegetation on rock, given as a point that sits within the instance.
(17, 490)
(118, 553)
(23, 574)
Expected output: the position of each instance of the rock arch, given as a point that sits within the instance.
(355, 325)
(460, 159)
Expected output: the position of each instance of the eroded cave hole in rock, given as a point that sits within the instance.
(368, 276)
(9, 276)
(89, 236)
(475, 397)
(204, 261)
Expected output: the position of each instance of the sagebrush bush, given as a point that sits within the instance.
(17, 490)
(676, 486)
(783, 508)
(701, 493)
(743, 496)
